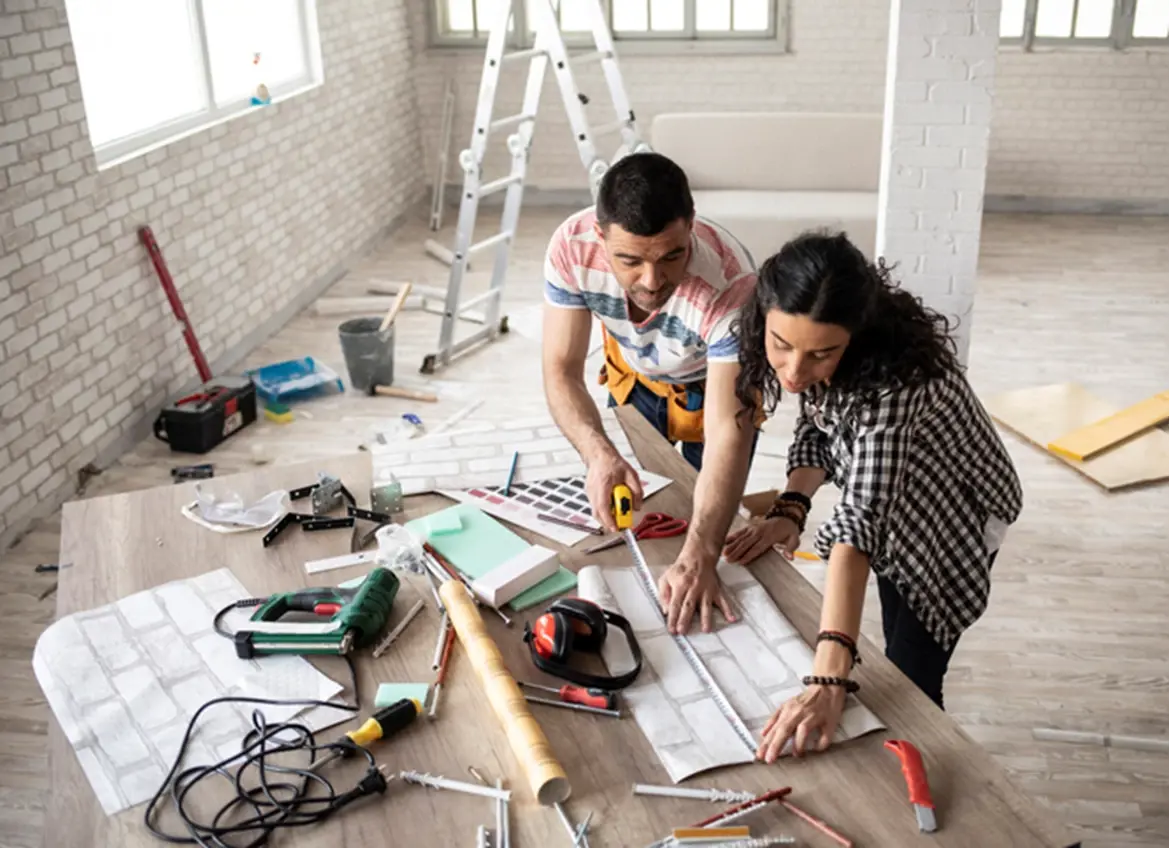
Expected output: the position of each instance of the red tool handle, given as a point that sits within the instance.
(913, 770)
(586, 697)
(146, 236)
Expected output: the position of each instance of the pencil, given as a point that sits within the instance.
(511, 474)
(584, 528)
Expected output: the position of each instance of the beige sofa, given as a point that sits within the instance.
(767, 176)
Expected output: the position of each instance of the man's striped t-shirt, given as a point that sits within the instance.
(693, 327)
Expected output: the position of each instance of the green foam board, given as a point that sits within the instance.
(484, 543)
(480, 546)
(557, 584)
(443, 523)
(390, 693)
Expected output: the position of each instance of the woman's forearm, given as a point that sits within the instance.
(806, 480)
(844, 598)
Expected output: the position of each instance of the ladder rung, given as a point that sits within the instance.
(491, 241)
(612, 126)
(479, 298)
(594, 56)
(510, 121)
(517, 55)
(497, 185)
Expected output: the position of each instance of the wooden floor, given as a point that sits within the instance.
(1076, 635)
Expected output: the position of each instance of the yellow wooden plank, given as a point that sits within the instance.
(1084, 442)
(1043, 414)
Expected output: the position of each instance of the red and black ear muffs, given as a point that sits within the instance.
(575, 624)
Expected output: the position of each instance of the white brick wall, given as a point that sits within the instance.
(1080, 124)
(1066, 124)
(248, 214)
(837, 63)
(939, 87)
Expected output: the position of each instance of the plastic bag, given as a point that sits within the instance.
(230, 510)
(399, 549)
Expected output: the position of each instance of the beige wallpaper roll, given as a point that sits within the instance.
(545, 775)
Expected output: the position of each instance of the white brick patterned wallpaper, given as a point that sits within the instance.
(942, 56)
(1065, 124)
(249, 214)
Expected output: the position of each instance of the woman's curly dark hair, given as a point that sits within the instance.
(894, 339)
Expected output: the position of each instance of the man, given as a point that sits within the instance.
(665, 286)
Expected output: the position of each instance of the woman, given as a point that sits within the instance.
(927, 487)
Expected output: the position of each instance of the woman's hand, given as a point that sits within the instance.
(808, 719)
(749, 542)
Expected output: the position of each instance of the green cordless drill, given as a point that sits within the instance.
(347, 619)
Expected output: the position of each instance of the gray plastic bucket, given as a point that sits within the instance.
(369, 355)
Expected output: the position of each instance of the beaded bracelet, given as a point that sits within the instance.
(795, 516)
(796, 498)
(850, 686)
(842, 639)
(791, 511)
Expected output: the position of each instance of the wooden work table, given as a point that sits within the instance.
(115, 546)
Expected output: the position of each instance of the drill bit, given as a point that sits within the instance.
(397, 631)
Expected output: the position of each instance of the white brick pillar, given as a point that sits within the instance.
(939, 76)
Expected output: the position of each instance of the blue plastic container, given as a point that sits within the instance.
(296, 379)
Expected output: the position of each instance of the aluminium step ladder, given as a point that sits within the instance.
(549, 45)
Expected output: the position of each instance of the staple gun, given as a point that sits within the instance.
(327, 620)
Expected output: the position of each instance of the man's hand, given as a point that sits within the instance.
(689, 586)
(749, 542)
(807, 720)
(606, 472)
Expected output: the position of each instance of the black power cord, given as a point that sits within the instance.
(268, 795)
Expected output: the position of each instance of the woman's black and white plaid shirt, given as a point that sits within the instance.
(927, 490)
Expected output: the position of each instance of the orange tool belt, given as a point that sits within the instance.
(683, 423)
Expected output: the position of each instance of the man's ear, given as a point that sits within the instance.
(598, 231)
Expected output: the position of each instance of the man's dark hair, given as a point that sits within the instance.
(643, 194)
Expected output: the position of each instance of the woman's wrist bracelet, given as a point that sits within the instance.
(850, 686)
(842, 639)
(795, 497)
(793, 512)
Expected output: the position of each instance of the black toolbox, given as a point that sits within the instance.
(200, 421)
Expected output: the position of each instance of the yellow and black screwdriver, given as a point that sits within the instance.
(385, 722)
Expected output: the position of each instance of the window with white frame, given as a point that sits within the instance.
(457, 22)
(1104, 23)
(155, 70)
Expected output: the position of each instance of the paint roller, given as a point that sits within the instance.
(545, 775)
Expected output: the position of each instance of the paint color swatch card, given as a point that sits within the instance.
(564, 499)
(480, 454)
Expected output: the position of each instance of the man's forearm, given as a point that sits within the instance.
(577, 415)
(718, 491)
(845, 580)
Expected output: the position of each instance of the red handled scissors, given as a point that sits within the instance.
(655, 525)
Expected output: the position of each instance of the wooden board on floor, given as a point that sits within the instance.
(1045, 413)
(1085, 442)
(114, 546)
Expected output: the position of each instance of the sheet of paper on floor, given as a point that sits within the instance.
(124, 680)
(479, 454)
(758, 663)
